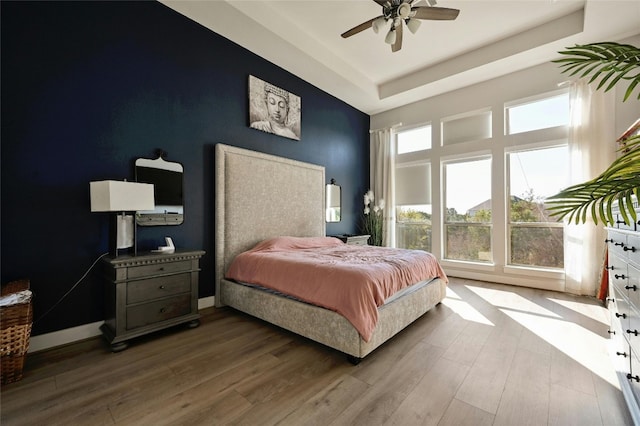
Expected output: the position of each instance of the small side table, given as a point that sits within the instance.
(149, 292)
(358, 240)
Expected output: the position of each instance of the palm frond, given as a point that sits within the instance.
(620, 182)
(603, 61)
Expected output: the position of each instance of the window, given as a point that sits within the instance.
(413, 206)
(417, 139)
(540, 113)
(467, 215)
(535, 237)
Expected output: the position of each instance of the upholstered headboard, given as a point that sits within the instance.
(259, 196)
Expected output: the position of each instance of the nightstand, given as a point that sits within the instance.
(358, 240)
(149, 292)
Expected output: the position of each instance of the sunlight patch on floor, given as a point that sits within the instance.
(511, 300)
(464, 309)
(584, 346)
(597, 313)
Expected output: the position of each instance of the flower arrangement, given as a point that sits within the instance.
(372, 220)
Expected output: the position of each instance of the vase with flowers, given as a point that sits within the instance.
(372, 219)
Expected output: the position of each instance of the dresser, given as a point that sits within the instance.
(149, 292)
(358, 240)
(623, 243)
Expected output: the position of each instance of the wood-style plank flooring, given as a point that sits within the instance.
(490, 354)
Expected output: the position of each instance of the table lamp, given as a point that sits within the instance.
(121, 196)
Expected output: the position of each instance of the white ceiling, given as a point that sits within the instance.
(488, 39)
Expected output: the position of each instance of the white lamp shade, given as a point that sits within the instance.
(391, 36)
(121, 196)
(413, 25)
(413, 185)
(377, 24)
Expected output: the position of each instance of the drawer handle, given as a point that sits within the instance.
(611, 332)
(163, 310)
(610, 268)
(624, 354)
(633, 249)
(161, 287)
(620, 277)
(618, 244)
(630, 377)
(620, 222)
(631, 287)
(161, 268)
(634, 332)
(611, 299)
(621, 315)
(608, 240)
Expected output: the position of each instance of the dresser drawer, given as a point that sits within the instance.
(620, 223)
(617, 242)
(633, 376)
(633, 249)
(160, 310)
(620, 309)
(155, 288)
(158, 269)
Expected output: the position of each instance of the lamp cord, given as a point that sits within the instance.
(72, 288)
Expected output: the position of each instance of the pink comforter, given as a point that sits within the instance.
(348, 279)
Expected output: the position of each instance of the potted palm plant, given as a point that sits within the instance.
(609, 64)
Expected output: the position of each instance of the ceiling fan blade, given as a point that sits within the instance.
(359, 28)
(435, 13)
(398, 44)
(381, 2)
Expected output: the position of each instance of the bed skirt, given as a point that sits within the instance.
(328, 327)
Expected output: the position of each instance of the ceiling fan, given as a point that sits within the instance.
(398, 11)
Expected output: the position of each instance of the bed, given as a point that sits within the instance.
(260, 196)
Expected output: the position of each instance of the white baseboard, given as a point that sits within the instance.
(82, 332)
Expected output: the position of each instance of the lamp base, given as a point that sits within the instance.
(122, 236)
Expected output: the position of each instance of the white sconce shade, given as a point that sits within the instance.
(391, 36)
(413, 185)
(377, 24)
(413, 25)
(121, 196)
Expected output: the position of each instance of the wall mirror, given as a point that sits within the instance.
(333, 201)
(167, 179)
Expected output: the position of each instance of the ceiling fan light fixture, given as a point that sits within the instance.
(413, 25)
(404, 10)
(377, 24)
(391, 36)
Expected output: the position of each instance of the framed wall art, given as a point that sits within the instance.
(273, 110)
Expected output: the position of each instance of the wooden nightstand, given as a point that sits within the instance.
(358, 240)
(149, 292)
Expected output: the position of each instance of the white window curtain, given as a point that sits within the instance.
(382, 179)
(591, 149)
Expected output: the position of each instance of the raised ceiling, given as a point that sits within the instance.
(488, 39)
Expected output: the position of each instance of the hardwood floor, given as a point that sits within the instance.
(488, 355)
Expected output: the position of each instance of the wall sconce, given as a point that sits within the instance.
(121, 196)
(333, 201)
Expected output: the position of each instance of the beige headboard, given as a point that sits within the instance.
(259, 196)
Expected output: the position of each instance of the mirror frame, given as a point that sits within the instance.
(333, 202)
(162, 214)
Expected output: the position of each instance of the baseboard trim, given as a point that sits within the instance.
(83, 332)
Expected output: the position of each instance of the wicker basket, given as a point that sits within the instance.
(15, 323)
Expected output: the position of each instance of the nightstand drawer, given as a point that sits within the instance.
(358, 241)
(158, 268)
(155, 288)
(160, 310)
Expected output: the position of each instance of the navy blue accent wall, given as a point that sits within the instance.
(87, 87)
